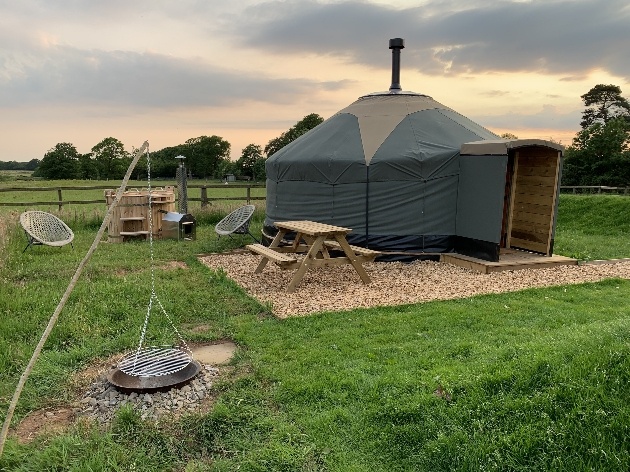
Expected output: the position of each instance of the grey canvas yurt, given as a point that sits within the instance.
(414, 178)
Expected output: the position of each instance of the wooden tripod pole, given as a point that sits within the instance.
(53, 319)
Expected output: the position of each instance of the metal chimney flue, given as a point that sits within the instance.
(396, 45)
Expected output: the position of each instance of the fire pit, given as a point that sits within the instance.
(153, 369)
(158, 367)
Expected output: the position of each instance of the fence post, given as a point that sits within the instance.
(60, 199)
(249, 194)
(204, 197)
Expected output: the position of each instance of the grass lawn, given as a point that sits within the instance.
(531, 380)
(593, 226)
(13, 175)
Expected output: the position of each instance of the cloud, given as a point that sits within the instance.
(547, 118)
(65, 75)
(565, 37)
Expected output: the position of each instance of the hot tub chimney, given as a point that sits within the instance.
(396, 45)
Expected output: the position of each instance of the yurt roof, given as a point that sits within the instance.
(501, 147)
(392, 125)
(380, 113)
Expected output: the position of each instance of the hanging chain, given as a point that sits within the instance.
(154, 296)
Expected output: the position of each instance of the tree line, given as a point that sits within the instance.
(15, 165)
(206, 157)
(598, 155)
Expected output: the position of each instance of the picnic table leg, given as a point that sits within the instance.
(296, 241)
(275, 243)
(353, 258)
(306, 263)
(323, 252)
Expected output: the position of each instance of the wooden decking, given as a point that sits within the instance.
(509, 259)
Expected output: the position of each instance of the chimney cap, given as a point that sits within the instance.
(397, 43)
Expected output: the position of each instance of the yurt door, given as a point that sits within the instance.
(529, 216)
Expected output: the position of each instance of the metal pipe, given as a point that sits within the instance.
(396, 45)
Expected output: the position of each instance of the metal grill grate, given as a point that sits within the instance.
(154, 362)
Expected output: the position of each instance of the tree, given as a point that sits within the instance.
(508, 136)
(205, 154)
(604, 103)
(111, 159)
(14, 165)
(305, 124)
(227, 167)
(60, 162)
(86, 168)
(599, 155)
(32, 164)
(140, 171)
(259, 171)
(163, 162)
(246, 164)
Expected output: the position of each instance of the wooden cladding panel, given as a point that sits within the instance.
(533, 199)
(544, 185)
(529, 245)
(532, 208)
(530, 199)
(533, 232)
(535, 162)
(539, 171)
(531, 218)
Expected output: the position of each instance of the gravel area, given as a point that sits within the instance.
(393, 283)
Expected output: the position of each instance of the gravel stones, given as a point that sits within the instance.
(337, 288)
(102, 400)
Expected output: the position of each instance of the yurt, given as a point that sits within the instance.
(413, 178)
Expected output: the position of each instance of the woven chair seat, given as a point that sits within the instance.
(236, 222)
(45, 228)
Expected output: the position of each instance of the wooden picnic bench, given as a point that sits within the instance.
(364, 254)
(314, 241)
(282, 259)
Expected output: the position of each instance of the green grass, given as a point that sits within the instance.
(531, 383)
(532, 380)
(15, 175)
(593, 226)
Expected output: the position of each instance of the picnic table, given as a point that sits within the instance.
(322, 244)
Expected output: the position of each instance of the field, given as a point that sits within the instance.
(39, 191)
(15, 175)
(532, 380)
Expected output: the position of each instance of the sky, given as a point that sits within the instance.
(163, 71)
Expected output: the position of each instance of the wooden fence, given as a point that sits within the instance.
(586, 189)
(247, 194)
(60, 202)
